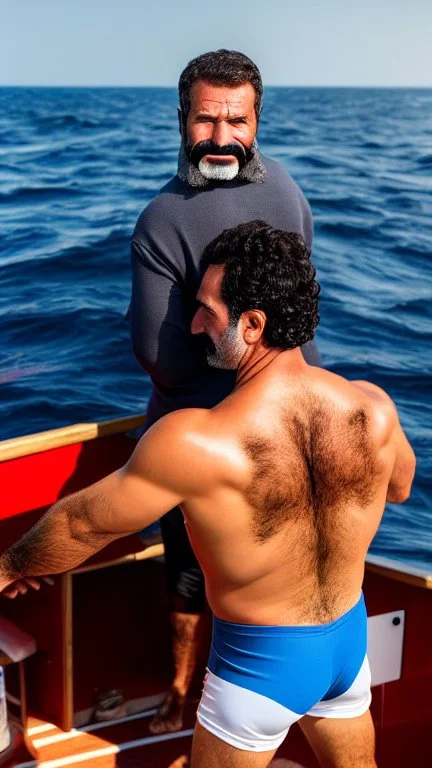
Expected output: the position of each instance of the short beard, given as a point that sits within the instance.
(216, 172)
(253, 171)
(228, 353)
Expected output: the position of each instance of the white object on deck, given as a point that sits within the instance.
(385, 646)
(14, 642)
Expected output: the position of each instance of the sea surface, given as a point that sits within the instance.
(78, 165)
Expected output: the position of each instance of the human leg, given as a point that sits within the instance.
(208, 751)
(186, 639)
(341, 743)
(189, 620)
(340, 729)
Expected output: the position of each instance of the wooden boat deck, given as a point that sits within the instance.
(128, 744)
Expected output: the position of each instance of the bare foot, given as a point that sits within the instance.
(169, 717)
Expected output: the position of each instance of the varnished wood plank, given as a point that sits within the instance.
(397, 571)
(154, 550)
(66, 620)
(16, 447)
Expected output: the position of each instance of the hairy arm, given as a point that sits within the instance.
(404, 463)
(152, 482)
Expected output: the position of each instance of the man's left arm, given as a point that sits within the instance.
(80, 525)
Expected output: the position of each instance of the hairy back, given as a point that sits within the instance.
(314, 473)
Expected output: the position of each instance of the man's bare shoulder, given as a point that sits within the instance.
(174, 436)
(186, 451)
(359, 394)
(381, 408)
(377, 396)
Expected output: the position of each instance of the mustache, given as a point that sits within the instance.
(207, 147)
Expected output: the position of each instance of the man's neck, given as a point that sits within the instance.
(253, 171)
(252, 365)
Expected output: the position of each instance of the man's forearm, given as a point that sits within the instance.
(59, 542)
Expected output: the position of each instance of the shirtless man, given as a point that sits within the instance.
(282, 487)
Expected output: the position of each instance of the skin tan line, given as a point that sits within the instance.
(226, 467)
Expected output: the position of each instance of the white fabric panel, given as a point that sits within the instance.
(354, 702)
(242, 718)
(252, 722)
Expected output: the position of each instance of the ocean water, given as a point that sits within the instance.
(77, 166)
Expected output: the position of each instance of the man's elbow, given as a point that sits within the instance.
(80, 508)
(399, 489)
(400, 492)
(398, 495)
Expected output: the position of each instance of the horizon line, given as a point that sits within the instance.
(266, 85)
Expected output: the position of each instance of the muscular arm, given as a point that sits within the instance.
(153, 481)
(399, 487)
(404, 462)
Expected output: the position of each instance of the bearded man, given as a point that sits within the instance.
(222, 181)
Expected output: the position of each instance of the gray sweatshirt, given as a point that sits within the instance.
(167, 246)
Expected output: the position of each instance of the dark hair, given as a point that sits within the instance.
(220, 67)
(271, 270)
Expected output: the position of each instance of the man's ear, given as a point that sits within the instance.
(254, 324)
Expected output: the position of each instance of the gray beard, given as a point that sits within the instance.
(253, 171)
(230, 350)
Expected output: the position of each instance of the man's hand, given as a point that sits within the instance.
(21, 586)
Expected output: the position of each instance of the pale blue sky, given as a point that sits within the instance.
(146, 42)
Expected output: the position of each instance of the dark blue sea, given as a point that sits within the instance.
(77, 166)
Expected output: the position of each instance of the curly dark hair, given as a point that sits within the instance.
(220, 67)
(271, 270)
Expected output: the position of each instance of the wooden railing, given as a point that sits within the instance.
(16, 447)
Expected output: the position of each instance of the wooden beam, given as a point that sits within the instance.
(67, 652)
(397, 571)
(26, 445)
(154, 550)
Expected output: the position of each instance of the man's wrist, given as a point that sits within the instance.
(5, 579)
